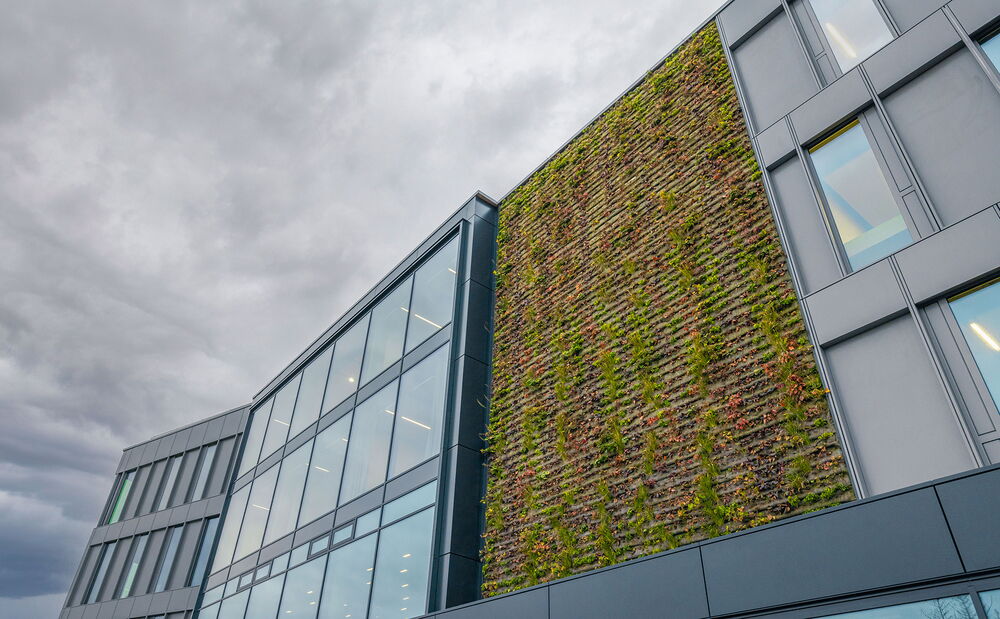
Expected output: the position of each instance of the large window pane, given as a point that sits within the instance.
(958, 607)
(231, 528)
(124, 489)
(169, 481)
(281, 417)
(978, 315)
(209, 612)
(433, 295)
(132, 565)
(102, 572)
(385, 337)
(288, 494)
(232, 608)
(327, 464)
(854, 29)
(991, 603)
(311, 392)
(368, 449)
(302, 590)
(417, 434)
(348, 580)
(992, 49)
(346, 366)
(204, 550)
(409, 502)
(167, 559)
(264, 599)
(865, 213)
(205, 460)
(401, 569)
(258, 507)
(255, 436)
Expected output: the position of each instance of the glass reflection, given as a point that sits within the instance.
(409, 502)
(417, 434)
(205, 461)
(232, 608)
(368, 448)
(264, 599)
(258, 507)
(311, 392)
(401, 569)
(302, 590)
(102, 572)
(288, 494)
(212, 612)
(346, 367)
(255, 437)
(138, 551)
(958, 607)
(992, 49)
(348, 580)
(433, 295)
(991, 603)
(204, 550)
(169, 481)
(854, 29)
(231, 528)
(865, 213)
(978, 315)
(123, 491)
(385, 337)
(169, 554)
(327, 464)
(281, 417)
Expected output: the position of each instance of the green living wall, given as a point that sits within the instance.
(652, 380)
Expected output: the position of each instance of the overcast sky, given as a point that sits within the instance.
(190, 192)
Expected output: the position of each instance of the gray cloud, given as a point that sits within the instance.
(190, 192)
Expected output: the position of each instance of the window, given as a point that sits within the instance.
(417, 433)
(205, 460)
(991, 603)
(992, 48)
(433, 295)
(300, 597)
(102, 572)
(255, 437)
(258, 507)
(281, 417)
(264, 599)
(231, 528)
(204, 550)
(346, 366)
(349, 580)
(957, 607)
(978, 316)
(368, 448)
(854, 29)
(169, 481)
(169, 554)
(865, 214)
(311, 392)
(137, 552)
(124, 489)
(209, 612)
(409, 503)
(401, 568)
(327, 464)
(288, 494)
(234, 607)
(385, 337)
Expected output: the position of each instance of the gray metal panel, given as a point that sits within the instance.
(974, 14)
(214, 429)
(638, 589)
(949, 122)
(412, 479)
(900, 423)
(922, 46)
(474, 335)
(471, 403)
(833, 105)
(531, 604)
(281, 546)
(774, 144)
(774, 72)
(197, 437)
(460, 580)
(461, 502)
(360, 506)
(863, 298)
(313, 530)
(971, 506)
(907, 13)
(219, 474)
(740, 18)
(808, 238)
(856, 549)
(950, 259)
(480, 262)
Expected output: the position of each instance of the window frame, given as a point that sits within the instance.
(827, 50)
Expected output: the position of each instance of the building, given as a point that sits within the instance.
(733, 350)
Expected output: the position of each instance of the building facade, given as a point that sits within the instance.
(733, 350)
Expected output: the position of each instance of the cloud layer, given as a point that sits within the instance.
(191, 191)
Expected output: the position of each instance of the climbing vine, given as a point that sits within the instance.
(652, 380)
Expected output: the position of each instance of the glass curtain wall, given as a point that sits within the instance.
(978, 315)
(854, 29)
